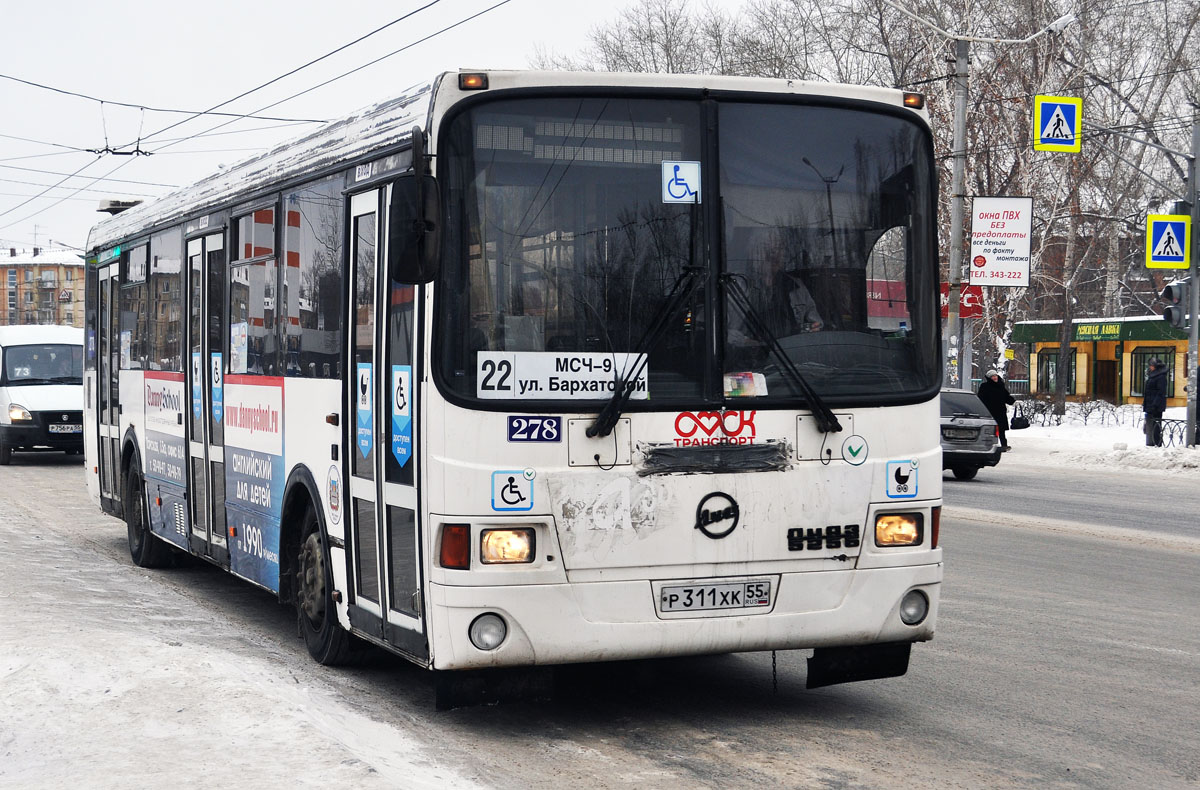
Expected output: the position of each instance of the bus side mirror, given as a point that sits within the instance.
(413, 232)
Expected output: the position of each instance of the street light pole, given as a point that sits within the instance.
(1194, 289)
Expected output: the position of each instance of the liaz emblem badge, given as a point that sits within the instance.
(714, 511)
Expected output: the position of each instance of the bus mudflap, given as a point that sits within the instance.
(832, 665)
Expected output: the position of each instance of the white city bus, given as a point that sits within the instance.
(527, 368)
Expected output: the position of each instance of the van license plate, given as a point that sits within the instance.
(68, 428)
(699, 597)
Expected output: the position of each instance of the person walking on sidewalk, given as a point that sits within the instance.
(1154, 401)
(996, 398)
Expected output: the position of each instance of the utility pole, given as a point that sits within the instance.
(954, 371)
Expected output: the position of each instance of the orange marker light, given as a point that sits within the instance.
(935, 525)
(914, 100)
(456, 546)
(472, 82)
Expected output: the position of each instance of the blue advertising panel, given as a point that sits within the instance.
(402, 413)
(197, 384)
(364, 397)
(218, 401)
(254, 475)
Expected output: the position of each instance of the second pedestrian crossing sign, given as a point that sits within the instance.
(1056, 123)
(1168, 241)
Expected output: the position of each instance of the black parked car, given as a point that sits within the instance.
(970, 438)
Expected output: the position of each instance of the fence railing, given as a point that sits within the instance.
(1015, 386)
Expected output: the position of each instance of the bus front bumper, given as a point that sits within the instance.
(612, 621)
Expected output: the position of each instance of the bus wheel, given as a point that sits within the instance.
(327, 642)
(146, 550)
(5, 455)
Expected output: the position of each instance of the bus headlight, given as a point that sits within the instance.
(506, 546)
(18, 413)
(898, 529)
(487, 631)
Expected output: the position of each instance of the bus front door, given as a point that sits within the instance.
(384, 524)
(206, 475)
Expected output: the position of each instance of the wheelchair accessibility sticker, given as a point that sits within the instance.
(681, 182)
(512, 489)
(902, 479)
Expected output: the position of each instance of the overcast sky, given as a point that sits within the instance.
(170, 55)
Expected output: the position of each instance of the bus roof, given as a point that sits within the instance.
(26, 334)
(390, 123)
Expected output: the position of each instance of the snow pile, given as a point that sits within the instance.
(1111, 438)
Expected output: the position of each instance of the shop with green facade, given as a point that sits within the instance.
(1109, 357)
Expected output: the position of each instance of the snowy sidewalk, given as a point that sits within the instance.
(1105, 446)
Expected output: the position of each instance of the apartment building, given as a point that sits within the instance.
(41, 286)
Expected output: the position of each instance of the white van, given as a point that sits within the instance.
(41, 389)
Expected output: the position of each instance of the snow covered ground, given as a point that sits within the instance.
(1100, 444)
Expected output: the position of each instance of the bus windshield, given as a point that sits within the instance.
(43, 363)
(583, 244)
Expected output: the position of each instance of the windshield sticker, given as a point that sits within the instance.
(680, 182)
(695, 429)
(534, 429)
(745, 385)
(550, 375)
(854, 450)
(902, 479)
(512, 489)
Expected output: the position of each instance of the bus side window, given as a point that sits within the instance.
(313, 279)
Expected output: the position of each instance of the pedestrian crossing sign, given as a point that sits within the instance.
(1056, 123)
(1168, 241)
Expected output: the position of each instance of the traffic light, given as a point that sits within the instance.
(1176, 296)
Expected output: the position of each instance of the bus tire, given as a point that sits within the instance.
(146, 550)
(327, 642)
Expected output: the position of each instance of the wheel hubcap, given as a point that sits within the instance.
(312, 579)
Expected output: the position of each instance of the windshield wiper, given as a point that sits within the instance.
(31, 380)
(606, 420)
(67, 380)
(827, 421)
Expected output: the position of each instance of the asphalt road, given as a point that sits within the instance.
(1061, 660)
(1136, 499)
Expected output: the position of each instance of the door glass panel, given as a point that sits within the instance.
(196, 336)
(216, 334)
(105, 360)
(364, 344)
(198, 500)
(218, 502)
(402, 558)
(366, 556)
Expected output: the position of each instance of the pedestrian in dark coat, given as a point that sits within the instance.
(996, 398)
(1154, 401)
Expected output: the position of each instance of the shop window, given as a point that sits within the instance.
(1140, 367)
(1047, 373)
